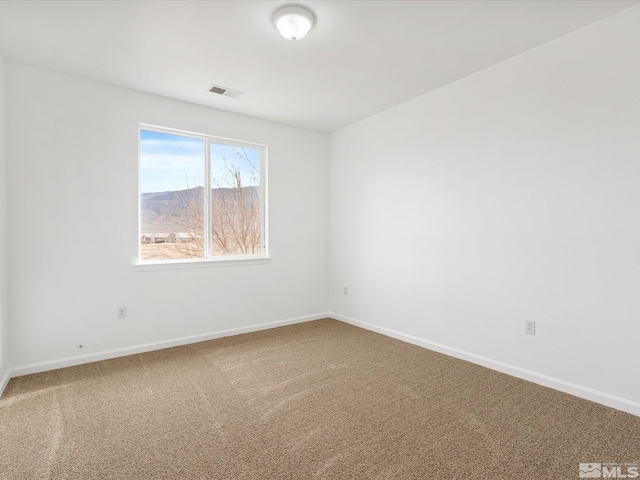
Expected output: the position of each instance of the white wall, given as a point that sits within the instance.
(510, 195)
(4, 327)
(72, 174)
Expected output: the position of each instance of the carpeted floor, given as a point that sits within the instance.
(316, 400)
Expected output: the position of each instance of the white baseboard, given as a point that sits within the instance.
(580, 391)
(147, 347)
(4, 381)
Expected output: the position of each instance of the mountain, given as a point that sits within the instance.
(164, 212)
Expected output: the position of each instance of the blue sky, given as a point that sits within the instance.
(246, 160)
(173, 162)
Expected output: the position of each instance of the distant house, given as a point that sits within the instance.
(181, 237)
(147, 238)
(177, 237)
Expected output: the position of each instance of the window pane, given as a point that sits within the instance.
(171, 196)
(235, 200)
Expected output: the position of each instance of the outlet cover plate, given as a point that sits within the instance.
(530, 328)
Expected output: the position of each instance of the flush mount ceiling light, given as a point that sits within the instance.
(293, 23)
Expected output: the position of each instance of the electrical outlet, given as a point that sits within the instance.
(346, 290)
(122, 312)
(530, 328)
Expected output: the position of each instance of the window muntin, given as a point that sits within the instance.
(178, 220)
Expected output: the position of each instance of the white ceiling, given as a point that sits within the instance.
(360, 58)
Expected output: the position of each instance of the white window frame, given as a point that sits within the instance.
(209, 259)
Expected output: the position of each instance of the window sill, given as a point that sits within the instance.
(145, 266)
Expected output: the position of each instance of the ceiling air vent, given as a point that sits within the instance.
(227, 92)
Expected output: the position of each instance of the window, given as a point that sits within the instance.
(201, 197)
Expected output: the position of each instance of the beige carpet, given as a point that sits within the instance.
(316, 400)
